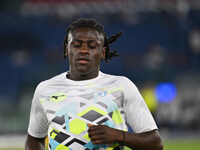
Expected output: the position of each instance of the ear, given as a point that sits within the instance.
(66, 50)
(103, 53)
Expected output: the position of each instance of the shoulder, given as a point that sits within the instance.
(111, 76)
(52, 81)
(122, 79)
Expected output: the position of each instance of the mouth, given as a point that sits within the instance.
(83, 60)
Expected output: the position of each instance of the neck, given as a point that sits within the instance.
(82, 76)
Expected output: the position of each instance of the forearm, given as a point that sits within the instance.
(34, 143)
(143, 141)
(102, 134)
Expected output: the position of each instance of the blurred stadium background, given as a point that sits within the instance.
(159, 48)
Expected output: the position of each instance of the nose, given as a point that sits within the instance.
(84, 48)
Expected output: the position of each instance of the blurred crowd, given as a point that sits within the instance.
(160, 44)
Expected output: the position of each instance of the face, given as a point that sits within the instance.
(85, 51)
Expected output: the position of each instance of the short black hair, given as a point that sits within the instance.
(93, 24)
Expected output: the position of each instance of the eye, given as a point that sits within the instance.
(92, 45)
(76, 44)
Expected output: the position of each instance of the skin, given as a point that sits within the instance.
(102, 134)
(33, 143)
(85, 51)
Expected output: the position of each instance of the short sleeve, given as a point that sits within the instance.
(137, 113)
(38, 122)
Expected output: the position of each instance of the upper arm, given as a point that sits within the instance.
(137, 113)
(38, 122)
(33, 143)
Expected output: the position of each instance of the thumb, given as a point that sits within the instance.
(89, 125)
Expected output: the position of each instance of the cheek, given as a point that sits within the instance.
(97, 58)
(70, 57)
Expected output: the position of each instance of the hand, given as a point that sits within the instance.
(102, 134)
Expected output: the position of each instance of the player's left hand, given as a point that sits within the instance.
(102, 134)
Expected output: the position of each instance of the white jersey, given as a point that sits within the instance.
(61, 109)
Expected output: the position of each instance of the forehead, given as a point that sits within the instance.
(85, 33)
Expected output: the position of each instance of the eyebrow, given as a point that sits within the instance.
(78, 40)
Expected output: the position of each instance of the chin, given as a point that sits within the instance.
(84, 71)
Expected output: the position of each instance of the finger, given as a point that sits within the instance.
(98, 139)
(98, 142)
(92, 127)
(94, 133)
(89, 125)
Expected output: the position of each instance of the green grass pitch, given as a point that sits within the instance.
(168, 145)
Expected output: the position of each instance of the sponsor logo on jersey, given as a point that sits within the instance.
(103, 93)
(58, 97)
